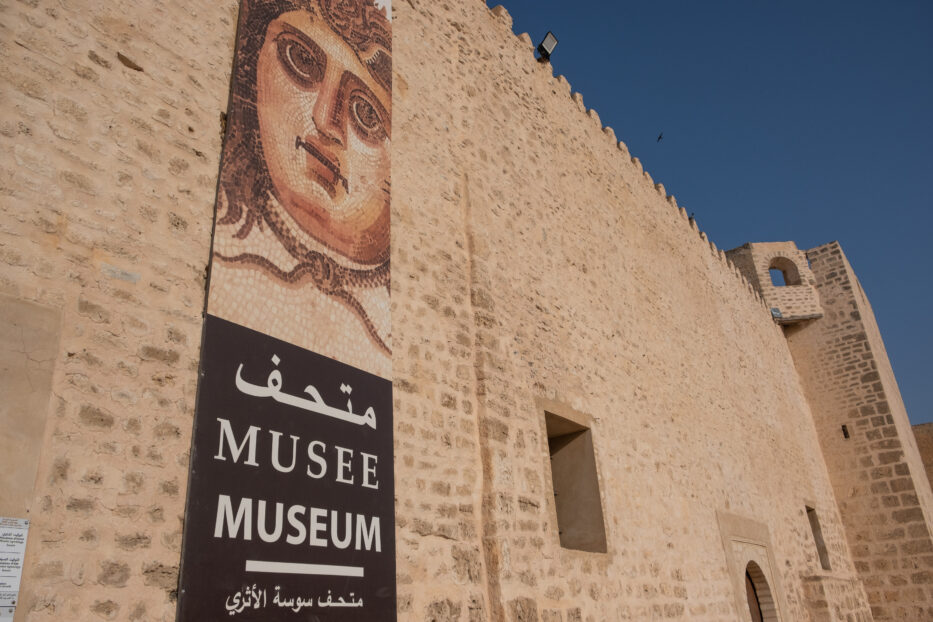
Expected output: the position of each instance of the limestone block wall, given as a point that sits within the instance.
(883, 495)
(798, 299)
(534, 262)
(923, 434)
(537, 261)
(110, 137)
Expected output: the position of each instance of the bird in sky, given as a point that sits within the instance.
(660, 136)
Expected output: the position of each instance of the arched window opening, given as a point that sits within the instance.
(761, 605)
(783, 272)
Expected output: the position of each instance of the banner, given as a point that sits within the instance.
(290, 512)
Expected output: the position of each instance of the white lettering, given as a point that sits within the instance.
(369, 470)
(244, 515)
(317, 459)
(343, 465)
(264, 535)
(325, 525)
(275, 452)
(226, 434)
(300, 532)
(317, 515)
(347, 533)
(368, 537)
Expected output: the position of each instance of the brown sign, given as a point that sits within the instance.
(290, 505)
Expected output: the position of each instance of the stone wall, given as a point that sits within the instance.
(534, 263)
(110, 134)
(884, 498)
(923, 433)
(536, 260)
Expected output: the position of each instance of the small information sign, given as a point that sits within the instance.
(13, 532)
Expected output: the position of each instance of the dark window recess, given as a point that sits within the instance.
(783, 272)
(818, 538)
(754, 607)
(761, 603)
(845, 431)
(576, 486)
(777, 278)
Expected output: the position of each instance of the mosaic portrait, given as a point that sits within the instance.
(301, 247)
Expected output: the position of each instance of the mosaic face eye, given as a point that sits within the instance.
(365, 117)
(301, 58)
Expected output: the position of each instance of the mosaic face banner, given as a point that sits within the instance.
(290, 510)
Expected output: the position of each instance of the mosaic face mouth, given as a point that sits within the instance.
(323, 168)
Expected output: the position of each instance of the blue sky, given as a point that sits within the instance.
(804, 121)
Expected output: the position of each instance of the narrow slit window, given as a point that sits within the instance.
(576, 485)
(818, 538)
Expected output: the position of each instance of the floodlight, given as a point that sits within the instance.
(547, 45)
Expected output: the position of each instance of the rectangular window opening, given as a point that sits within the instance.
(818, 538)
(576, 485)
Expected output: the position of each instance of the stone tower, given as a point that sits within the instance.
(794, 301)
(876, 470)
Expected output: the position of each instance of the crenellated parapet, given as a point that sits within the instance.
(562, 85)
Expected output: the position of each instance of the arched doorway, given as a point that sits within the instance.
(760, 601)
